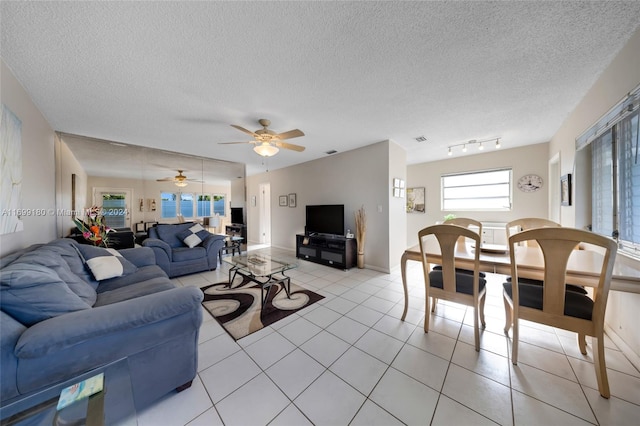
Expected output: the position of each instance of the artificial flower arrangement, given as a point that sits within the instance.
(94, 229)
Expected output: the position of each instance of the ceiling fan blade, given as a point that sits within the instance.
(165, 180)
(232, 143)
(290, 146)
(295, 133)
(242, 129)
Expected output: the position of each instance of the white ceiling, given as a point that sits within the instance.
(175, 75)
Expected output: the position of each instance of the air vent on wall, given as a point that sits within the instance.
(421, 139)
(332, 151)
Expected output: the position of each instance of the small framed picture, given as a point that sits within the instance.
(416, 200)
(283, 200)
(292, 200)
(565, 190)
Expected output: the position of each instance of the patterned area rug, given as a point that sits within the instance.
(239, 311)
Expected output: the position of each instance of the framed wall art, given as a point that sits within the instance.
(565, 190)
(283, 200)
(416, 200)
(292, 200)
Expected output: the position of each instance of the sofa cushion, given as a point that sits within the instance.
(144, 273)
(185, 253)
(141, 288)
(32, 293)
(193, 236)
(106, 263)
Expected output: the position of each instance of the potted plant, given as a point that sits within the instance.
(361, 230)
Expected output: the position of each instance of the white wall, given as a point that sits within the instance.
(38, 166)
(397, 206)
(355, 178)
(531, 159)
(622, 76)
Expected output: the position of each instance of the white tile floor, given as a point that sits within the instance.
(349, 360)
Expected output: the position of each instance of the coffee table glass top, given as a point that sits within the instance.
(261, 264)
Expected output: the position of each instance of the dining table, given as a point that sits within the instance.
(583, 267)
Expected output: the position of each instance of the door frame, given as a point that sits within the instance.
(264, 219)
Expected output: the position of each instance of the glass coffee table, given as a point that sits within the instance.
(113, 405)
(263, 269)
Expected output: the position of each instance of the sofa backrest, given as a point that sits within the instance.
(169, 233)
(45, 281)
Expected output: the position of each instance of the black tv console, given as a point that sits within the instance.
(330, 250)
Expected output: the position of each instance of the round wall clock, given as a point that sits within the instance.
(530, 183)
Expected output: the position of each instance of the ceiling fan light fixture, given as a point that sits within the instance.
(265, 149)
(181, 183)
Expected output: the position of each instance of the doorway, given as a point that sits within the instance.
(554, 188)
(115, 204)
(264, 225)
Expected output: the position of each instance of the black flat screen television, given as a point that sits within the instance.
(237, 218)
(325, 219)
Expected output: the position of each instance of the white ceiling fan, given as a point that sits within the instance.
(179, 179)
(267, 142)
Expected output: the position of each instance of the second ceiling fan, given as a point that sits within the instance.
(267, 142)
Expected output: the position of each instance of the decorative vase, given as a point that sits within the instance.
(361, 260)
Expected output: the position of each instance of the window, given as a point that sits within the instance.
(218, 204)
(190, 205)
(615, 181)
(168, 205)
(186, 205)
(485, 190)
(204, 205)
(114, 209)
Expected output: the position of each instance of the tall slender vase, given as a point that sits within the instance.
(361, 260)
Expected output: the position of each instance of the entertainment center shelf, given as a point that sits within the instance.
(330, 250)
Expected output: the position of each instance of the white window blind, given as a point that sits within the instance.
(615, 178)
(484, 190)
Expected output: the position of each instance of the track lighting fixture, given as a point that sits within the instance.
(473, 142)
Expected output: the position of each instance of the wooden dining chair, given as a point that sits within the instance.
(449, 283)
(465, 222)
(552, 303)
(526, 223)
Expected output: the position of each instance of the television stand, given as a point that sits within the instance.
(331, 250)
(236, 230)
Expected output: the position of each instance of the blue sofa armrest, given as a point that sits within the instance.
(139, 256)
(162, 251)
(213, 243)
(212, 239)
(81, 331)
(10, 332)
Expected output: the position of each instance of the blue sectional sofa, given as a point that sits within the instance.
(175, 257)
(57, 320)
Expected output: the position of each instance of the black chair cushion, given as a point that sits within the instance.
(575, 304)
(464, 281)
(570, 287)
(462, 271)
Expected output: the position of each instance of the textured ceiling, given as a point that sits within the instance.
(175, 75)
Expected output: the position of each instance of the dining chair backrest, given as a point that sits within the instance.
(449, 283)
(527, 223)
(551, 303)
(465, 222)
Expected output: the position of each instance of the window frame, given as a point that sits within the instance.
(444, 187)
(610, 123)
